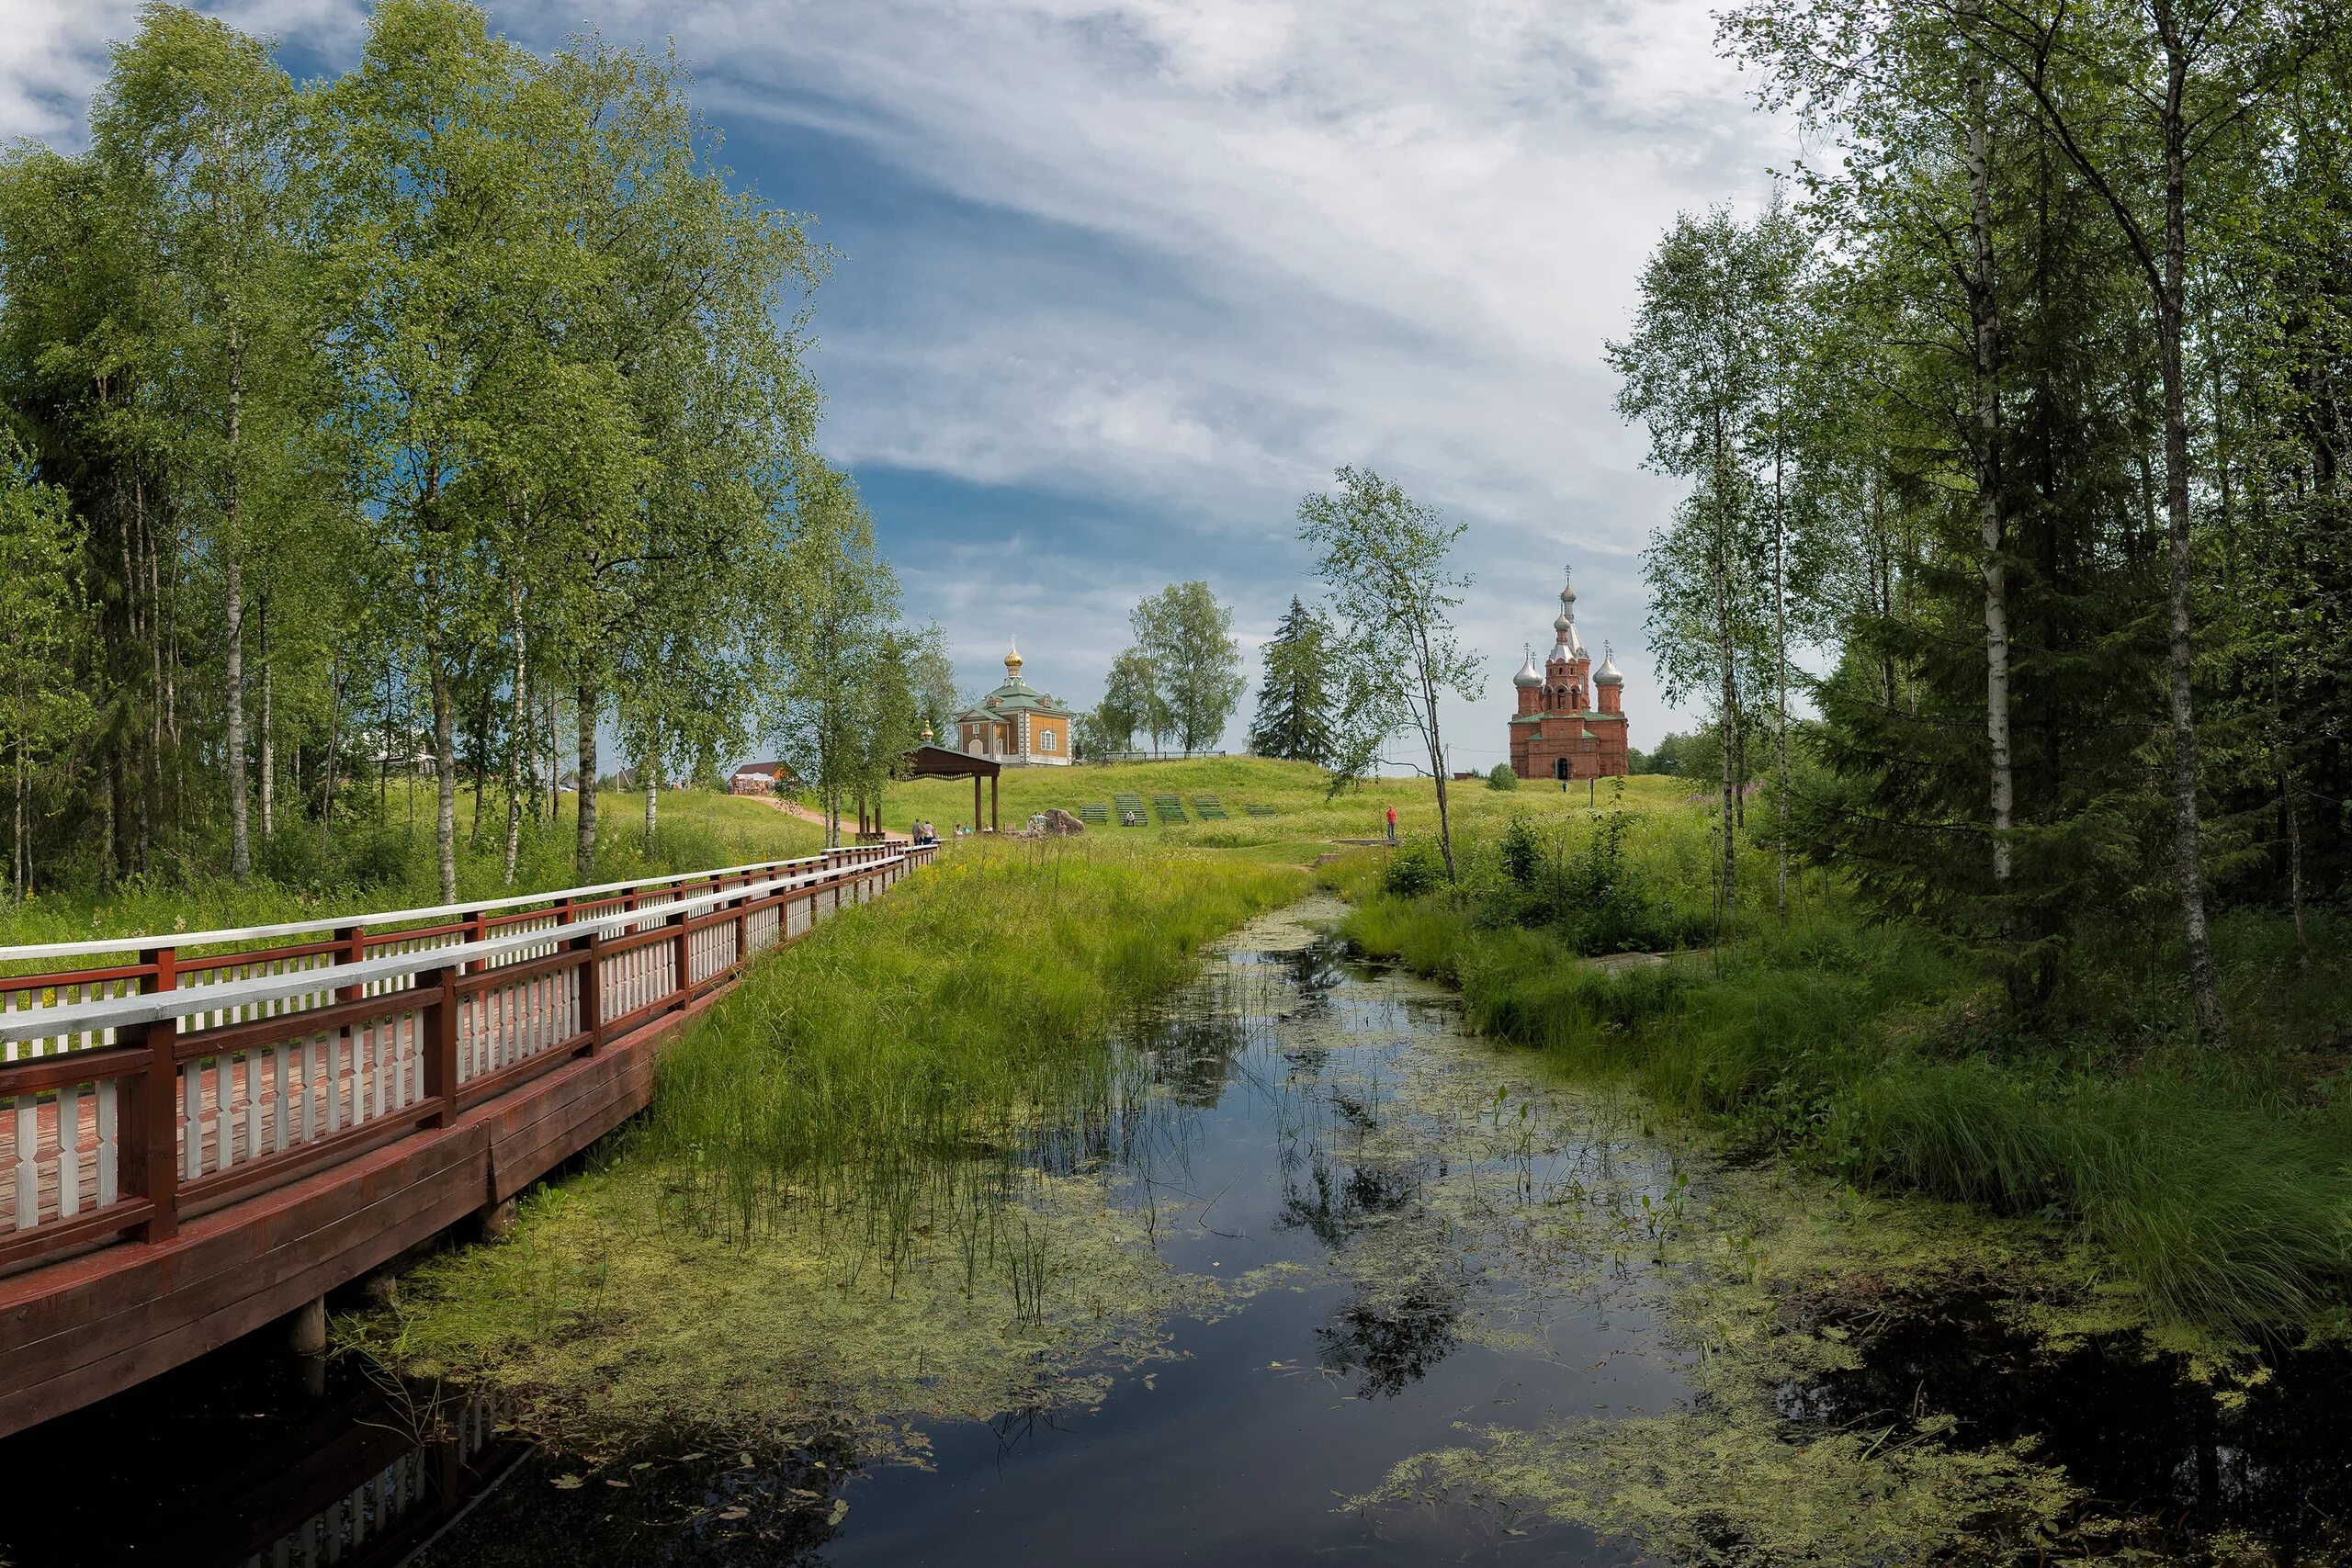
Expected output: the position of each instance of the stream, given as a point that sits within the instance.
(1402, 1262)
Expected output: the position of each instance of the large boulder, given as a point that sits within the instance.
(1060, 821)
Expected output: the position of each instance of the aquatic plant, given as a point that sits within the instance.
(2223, 1190)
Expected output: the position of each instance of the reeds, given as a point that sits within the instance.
(2222, 1188)
(892, 1072)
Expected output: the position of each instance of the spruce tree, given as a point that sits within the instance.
(1294, 718)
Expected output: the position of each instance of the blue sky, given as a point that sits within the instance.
(1116, 281)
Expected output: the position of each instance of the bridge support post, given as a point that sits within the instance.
(306, 1338)
(150, 1141)
(590, 949)
(306, 1327)
(440, 1030)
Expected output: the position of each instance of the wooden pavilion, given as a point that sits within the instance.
(928, 762)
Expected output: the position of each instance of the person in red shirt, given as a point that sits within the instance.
(1392, 824)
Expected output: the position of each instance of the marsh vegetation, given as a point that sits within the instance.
(1874, 1049)
(1523, 1293)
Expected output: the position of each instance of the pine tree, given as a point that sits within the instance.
(1293, 715)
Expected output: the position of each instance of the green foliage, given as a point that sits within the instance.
(844, 710)
(1697, 756)
(1131, 703)
(1501, 777)
(1708, 370)
(39, 717)
(1294, 718)
(1386, 563)
(390, 431)
(974, 997)
(2226, 1212)
(1187, 636)
(1867, 1048)
(370, 864)
(2053, 492)
(1521, 853)
(1414, 868)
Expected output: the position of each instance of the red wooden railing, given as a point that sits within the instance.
(134, 1096)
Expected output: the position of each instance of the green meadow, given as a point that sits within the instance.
(387, 863)
(1306, 819)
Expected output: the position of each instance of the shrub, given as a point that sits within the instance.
(1522, 853)
(1499, 777)
(1413, 869)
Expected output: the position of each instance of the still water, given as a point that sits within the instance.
(1410, 1238)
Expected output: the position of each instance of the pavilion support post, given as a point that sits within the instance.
(976, 803)
(991, 803)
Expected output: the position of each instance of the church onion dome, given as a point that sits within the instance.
(1568, 595)
(1012, 657)
(1527, 674)
(1609, 674)
(1563, 624)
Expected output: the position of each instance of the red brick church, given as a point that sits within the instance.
(1571, 718)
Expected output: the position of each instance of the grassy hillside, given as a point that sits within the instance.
(1306, 822)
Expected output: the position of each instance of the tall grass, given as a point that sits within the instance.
(860, 1073)
(2223, 1189)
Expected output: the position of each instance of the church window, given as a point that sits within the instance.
(1047, 740)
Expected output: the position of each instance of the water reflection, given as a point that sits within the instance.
(2177, 1451)
(228, 1463)
(1402, 1246)
(674, 1504)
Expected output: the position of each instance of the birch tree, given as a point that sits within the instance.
(1386, 565)
(1694, 373)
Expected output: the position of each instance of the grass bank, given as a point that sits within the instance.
(2218, 1186)
(839, 1215)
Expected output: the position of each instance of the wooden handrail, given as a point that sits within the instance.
(100, 945)
(398, 1022)
(117, 1012)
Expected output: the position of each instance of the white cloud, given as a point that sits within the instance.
(53, 53)
(1305, 232)
(1400, 233)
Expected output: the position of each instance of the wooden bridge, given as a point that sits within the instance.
(210, 1138)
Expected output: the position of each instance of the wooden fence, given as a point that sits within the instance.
(218, 1064)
